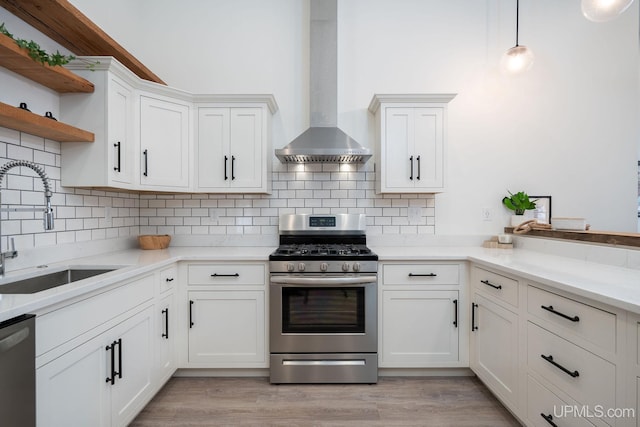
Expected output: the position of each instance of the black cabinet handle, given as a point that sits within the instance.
(112, 378)
(455, 312)
(119, 342)
(557, 313)
(411, 163)
(233, 162)
(549, 419)
(422, 275)
(226, 159)
(488, 283)
(418, 160)
(190, 314)
(549, 359)
(473, 317)
(145, 153)
(166, 323)
(117, 146)
(225, 275)
(169, 279)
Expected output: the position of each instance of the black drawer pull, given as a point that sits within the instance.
(225, 275)
(169, 279)
(549, 419)
(119, 342)
(111, 348)
(549, 359)
(166, 323)
(411, 163)
(190, 314)
(488, 283)
(422, 275)
(455, 309)
(557, 313)
(473, 317)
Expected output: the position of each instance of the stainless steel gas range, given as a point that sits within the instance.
(323, 301)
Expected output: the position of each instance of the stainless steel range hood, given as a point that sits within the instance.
(323, 142)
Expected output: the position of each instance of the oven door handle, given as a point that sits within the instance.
(320, 281)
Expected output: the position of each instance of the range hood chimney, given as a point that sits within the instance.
(323, 142)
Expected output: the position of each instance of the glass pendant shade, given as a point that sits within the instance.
(517, 60)
(604, 10)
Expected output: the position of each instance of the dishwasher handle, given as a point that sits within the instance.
(14, 339)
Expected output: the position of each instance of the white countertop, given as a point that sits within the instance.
(617, 286)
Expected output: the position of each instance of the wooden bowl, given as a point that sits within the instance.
(154, 241)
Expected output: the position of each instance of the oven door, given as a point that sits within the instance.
(323, 313)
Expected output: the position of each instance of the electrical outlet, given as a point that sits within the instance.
(487, 215)
(414, 213)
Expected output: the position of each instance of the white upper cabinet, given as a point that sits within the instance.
(148, 135)
(233, 147)
(109, 113)
(164, 143)
(410, 142)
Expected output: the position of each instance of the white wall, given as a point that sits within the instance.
(568, 128)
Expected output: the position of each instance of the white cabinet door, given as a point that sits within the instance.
(494, 348)
(76, 388)
(398, 149)
(120, 143)
(165, 337)
(164, 144)
(232, 155)
(72, 389)
(228, 329)
(133, 385)
(410, 142)
(247, 154)
(419, 328)
(428, 148)
(213, 148)
(109, 114)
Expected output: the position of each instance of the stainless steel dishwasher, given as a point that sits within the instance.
(18, 371)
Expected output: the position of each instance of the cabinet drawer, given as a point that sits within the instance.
(594, 325)
(541, 402)
(57, 327)
(501, 287)
(420, 274)
(168, 279)
(588, 379)
(227, 274)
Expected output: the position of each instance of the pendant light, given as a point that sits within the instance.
(518, 59)
(604, 10)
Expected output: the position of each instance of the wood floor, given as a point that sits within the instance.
(394, 401)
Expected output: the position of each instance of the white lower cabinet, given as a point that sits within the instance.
(165, 337)
(227, 326)
(103, 382)
(420, 321)
(419, 328)
(494, 348)
(227, 329)
(545, 408)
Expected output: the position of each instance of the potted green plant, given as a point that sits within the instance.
(519, 203)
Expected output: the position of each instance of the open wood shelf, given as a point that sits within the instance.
(25, 121)
(62, 22)
(602, 237)
(17, 59)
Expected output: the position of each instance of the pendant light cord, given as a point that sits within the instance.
(517, 20)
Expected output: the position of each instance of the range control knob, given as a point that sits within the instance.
(345, 266)
(301, 266)
(290, 266)
(324, 266)
(356, 266)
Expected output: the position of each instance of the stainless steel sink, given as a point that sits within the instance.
(50, 280)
